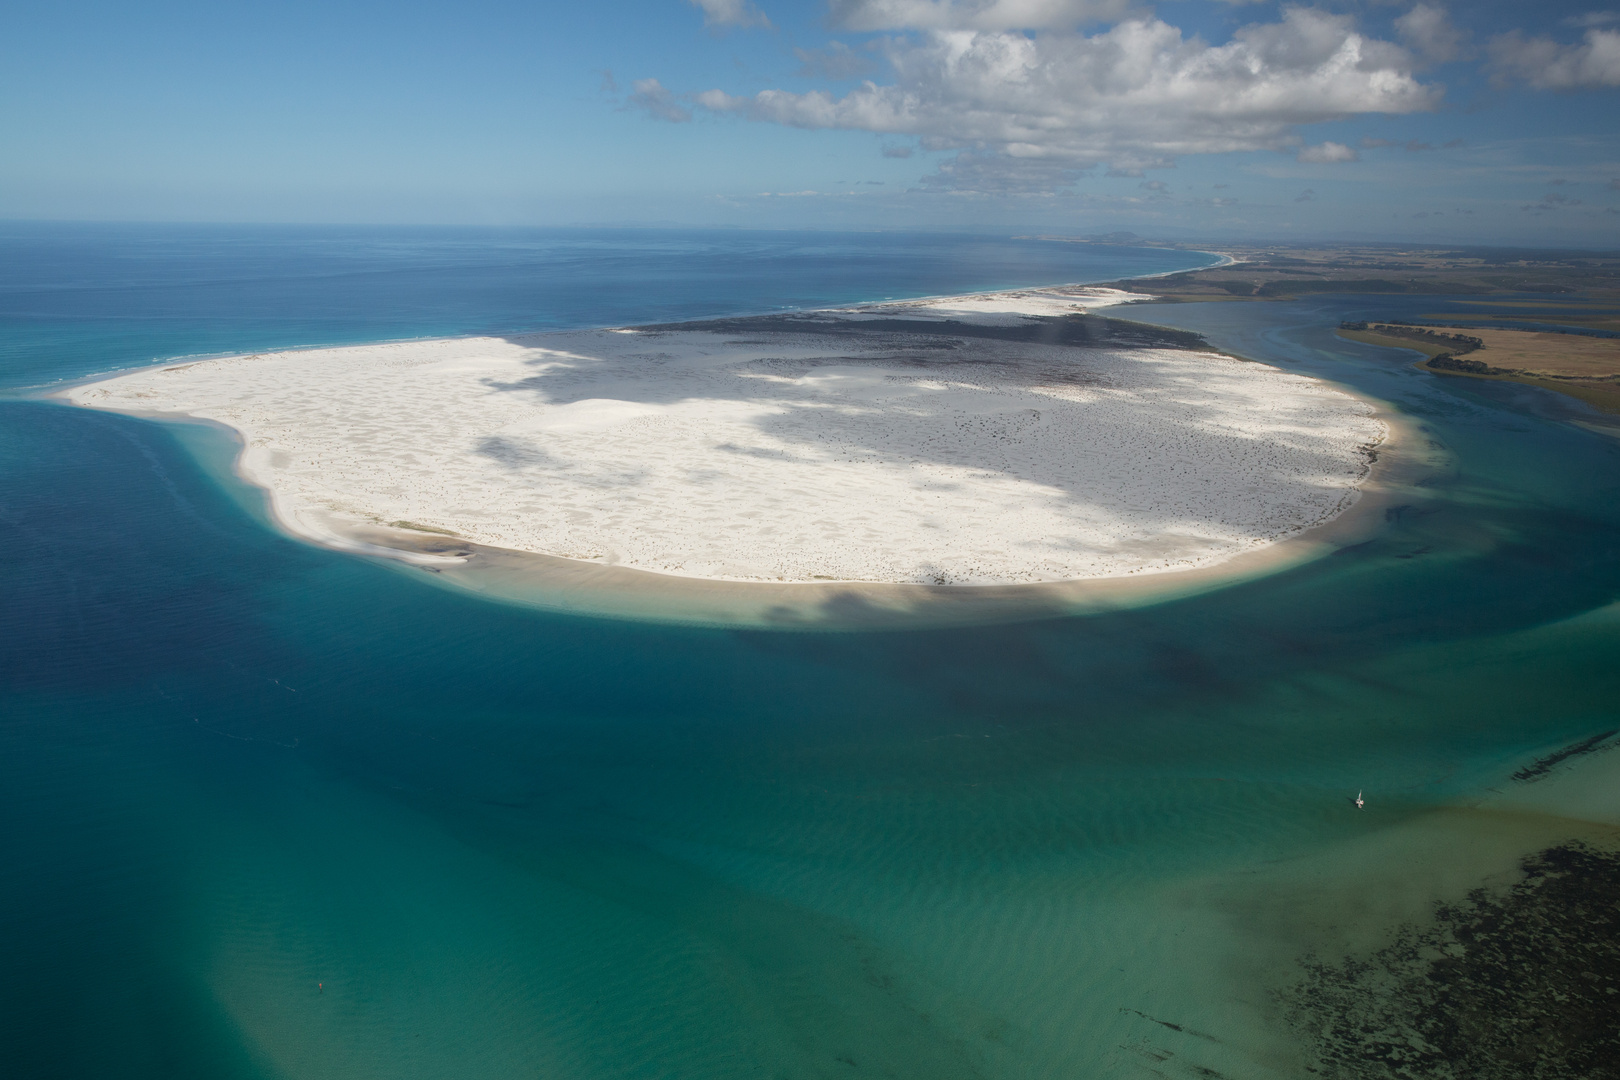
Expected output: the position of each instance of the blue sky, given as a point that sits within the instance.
(1486, 122)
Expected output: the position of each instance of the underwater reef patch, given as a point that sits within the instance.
(1521, 983)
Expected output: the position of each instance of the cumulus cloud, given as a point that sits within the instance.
(1328, 153)
(1029, 112)
(650, 96)
(1428, 29)
(1544, 64)
(720, 101)
(974, 14)
(720, 14)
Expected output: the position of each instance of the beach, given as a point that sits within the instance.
(987, 440)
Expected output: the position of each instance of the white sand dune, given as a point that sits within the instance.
(785, 455)
(1009, 308)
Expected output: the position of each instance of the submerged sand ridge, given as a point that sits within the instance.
(981, 440)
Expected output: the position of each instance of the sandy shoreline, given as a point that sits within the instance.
(819, 468)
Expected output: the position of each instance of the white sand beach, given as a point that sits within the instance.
(1005, 308)
(801, 448)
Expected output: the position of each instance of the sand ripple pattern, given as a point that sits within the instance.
(882, 456)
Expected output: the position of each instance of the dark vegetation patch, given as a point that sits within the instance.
(1522, 983)
(1457, 344)
(1449, 362)
(1542, 766)
(1083, 331)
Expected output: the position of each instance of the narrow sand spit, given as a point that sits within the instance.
(986, 440)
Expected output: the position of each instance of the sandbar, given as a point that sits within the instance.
(980, 456)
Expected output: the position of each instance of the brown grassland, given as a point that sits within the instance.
(1579, 365)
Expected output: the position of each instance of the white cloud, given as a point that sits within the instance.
(724, 13)
(974, 14)
(1328, 153)
(1028, 112)
(1428, 29)
(650, 96)
(1546, 65)
(719, 101)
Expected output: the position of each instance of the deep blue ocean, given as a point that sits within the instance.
(275, 811)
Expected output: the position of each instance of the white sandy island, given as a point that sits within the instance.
(790, 449)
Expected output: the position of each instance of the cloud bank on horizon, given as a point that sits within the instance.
(1026, 96)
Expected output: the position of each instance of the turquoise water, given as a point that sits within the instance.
(273, 811)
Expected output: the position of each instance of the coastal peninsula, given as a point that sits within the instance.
(1580, 365)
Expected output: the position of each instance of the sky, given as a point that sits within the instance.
(1485, 122)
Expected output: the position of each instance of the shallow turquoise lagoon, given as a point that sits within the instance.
(272, 811)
